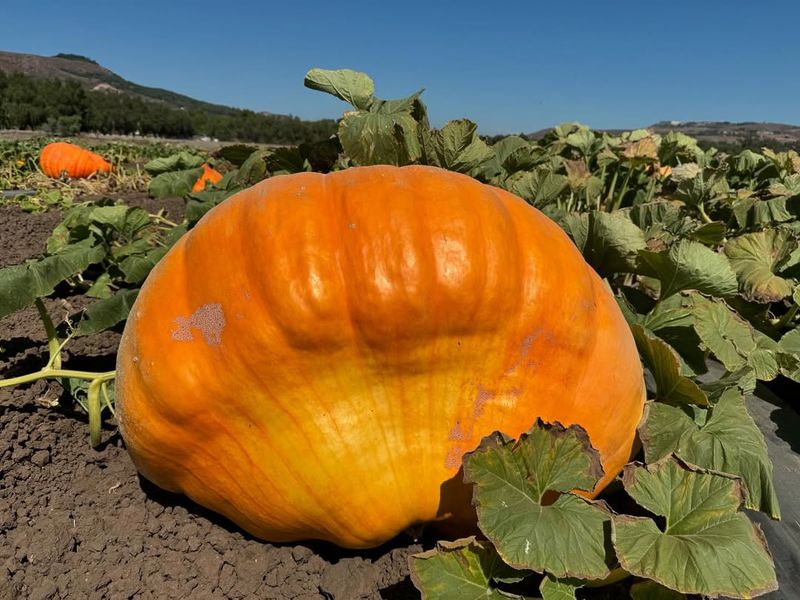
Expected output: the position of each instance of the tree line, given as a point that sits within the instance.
(64, 107)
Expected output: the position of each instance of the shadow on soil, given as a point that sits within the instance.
(403, 590)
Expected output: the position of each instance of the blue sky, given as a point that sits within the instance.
(510, 66)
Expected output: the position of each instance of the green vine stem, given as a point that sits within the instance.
(53, 345)
(618, 201)
(50, 373)
(95, 412)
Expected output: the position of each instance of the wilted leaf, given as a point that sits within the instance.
(665, 366)
(461, 570)
(564, 538)
(643, 150)
(756, 257)
(685, 172)
(726, 440)
(707, 546)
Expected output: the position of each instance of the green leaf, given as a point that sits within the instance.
(732, 340)
(650, 590)
(755, 257)
(461, 570)
(726, 440)
(554, 589)
(351, 86)
(101, 288)
(664, 364)
(743, 380)
(710, 234)
(236, 154)
(613, 243)
(690, 265)
(176, 162)
(138, 266)
(253, 170)
(457, 147)
(20, 285)
(106, 313)
(722, 332)
(538, 187)
(377, 138)
(174, 183)
(707, 546)
(753, 212)
(789, 357)
(511, 484)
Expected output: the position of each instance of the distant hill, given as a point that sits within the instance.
(68, 93)
(723, 135)
(94, 77)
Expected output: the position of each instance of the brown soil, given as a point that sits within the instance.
(80, 523)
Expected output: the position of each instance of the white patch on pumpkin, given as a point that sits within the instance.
(208, 319)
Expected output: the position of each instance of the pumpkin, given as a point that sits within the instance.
(313, 359)
(209, 174)
(59, 158)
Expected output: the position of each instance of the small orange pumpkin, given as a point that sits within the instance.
(313, 359)
(209, 174)
(60, 158)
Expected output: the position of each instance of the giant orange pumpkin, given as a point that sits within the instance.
(313, 359)
(58, 158)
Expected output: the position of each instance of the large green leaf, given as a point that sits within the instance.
(20, 285)
(461, 570)
(664, 364)
(690, 265)
(722, 438)
(613, 243)
(372, 138)
(707, 545)
(539, 187)
(756, 257)
(351, 86)
(179, 161)
(457, 147)
(513, 487)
